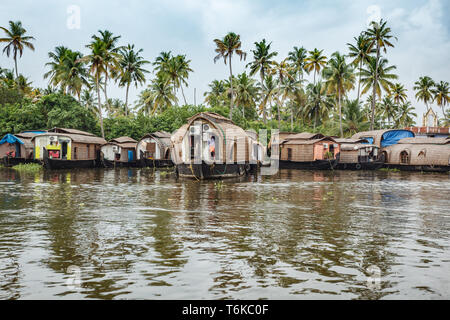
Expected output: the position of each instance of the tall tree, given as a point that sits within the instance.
(246, 92)
(405, 115)
(318, 104)
(340, 79)
(315, 61)
(390, 109)
(377, 76)
(216, 96)
(297, 57)
(16, 41)
(225, 48)
(262, 62)
(398, 93)
(424, 88)
(283, 70)
(131, 70)
(442, 95)
(379, 36)
(163, 96)
(269, 90)
(360, 52)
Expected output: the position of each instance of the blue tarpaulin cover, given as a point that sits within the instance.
(369, 140)
(392, 137)
(10, 138)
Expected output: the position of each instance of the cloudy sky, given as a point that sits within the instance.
(189, 27)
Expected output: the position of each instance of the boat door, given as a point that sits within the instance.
(64, 149)
(17, 150)
(130, 155)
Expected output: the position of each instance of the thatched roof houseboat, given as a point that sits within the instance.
(257, 150)
(358, 154)
(62, 148)
(420, 154)
(309, 151)
(119, 152)
(18, 148)
(384, 138)
(154, 150)
(211, 146)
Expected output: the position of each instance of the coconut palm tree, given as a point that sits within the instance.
(111, 56)
(216, 96)
(72, 73)
(354, 119)
(316, 61)
(246, 92)
(57, 57)
(88, 101)
(177, 69)
(97, 66)
(405, 115)
(145, 103)
(424, 88)
(163, 96)
(297, 57)
(398, 93)
(269, 90)
(390, 109)
(288, 88)
(283, 70)
(131, 70)
(360, 52)
(16, 41)
(162, 60)
(378, 74)
(379, 37)
(441, 95)
(318, 104)
(262, 62)
(225, 48)
(340, 79)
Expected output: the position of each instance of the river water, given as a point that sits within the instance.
(142, 234)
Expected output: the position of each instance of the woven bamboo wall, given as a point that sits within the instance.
(300, 152)
(425, 154)
(349, 156)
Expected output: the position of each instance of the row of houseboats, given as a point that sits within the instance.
(209, 145)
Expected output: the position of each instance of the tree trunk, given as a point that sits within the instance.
(231, 86)
(182, 92)
(374, 92)
(15, 63)
(100, 108)
(106, 82)
(292, 118)
(340, 112)
(126, 99)
(264, 106)
(359, 81)
(315, 120)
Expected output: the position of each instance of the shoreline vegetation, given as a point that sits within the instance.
(272, 92)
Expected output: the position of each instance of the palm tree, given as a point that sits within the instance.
(73, 73)
(110, 54)
(97, 66)
(390, 109)
(298, 59)
(360, 52)
(354, 119)
(163, 96)
(145, 102)
(283, 70)
(57, 58)
(88, 101)
(379, 36)
(246, 92)
(17, 40)
(398, 93)
(269, 91)
(177, 69)
(289, 87)
(424, 88)
(216, 96)
(225, 49)
(262, 61)
(162, 60)
(378, 74)
(318, 103)
(405, 115)
(441, 95)
(131, 70)
(316, 61)
(340, 79)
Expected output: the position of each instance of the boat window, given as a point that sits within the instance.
(289, 155)
(404, 157)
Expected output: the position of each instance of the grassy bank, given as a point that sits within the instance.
(28, 167)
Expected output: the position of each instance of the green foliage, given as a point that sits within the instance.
(9, 95)
(28, 167)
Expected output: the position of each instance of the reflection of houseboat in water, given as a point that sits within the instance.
(154, 150)
(309, 151)
(68, 148)
(119, 152)
(358, 154)
(211, 146)
(18, 148)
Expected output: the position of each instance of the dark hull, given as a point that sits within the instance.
(360, 166)
(309, 165)
(119, 164)
(157, 163)
(213, 171)
(69, 164)
(10, 162)
(422, 168)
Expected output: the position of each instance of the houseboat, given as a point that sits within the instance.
(358, 154)
(210, 146)
(419, 154)
(17, 148)
(257, 151)
(384, 138)
(154, 150)
(309, 151)
(61, 148)
(119, 152)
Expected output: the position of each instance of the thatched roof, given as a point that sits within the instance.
(420, 154)
(356, 146)
(161, 136)
(349, 141)
(211, 116)
(77, 138)
(71, 131)
(123, 140)
(304, 141)
(305, 136)
(425, 140)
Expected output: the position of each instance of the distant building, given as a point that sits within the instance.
(430, 127)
